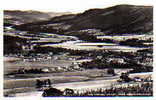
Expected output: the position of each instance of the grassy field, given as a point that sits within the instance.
(26, 82)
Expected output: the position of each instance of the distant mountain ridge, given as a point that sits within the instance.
(22, 17)
(120, 19)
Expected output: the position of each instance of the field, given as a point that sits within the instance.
(26, 82)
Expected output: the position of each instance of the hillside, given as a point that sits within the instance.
(120, 19)
(18, 17)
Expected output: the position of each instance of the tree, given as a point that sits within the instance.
(125, 77)
(52, 92)
(111, 71)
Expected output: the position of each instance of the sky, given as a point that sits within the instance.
(74, 6)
